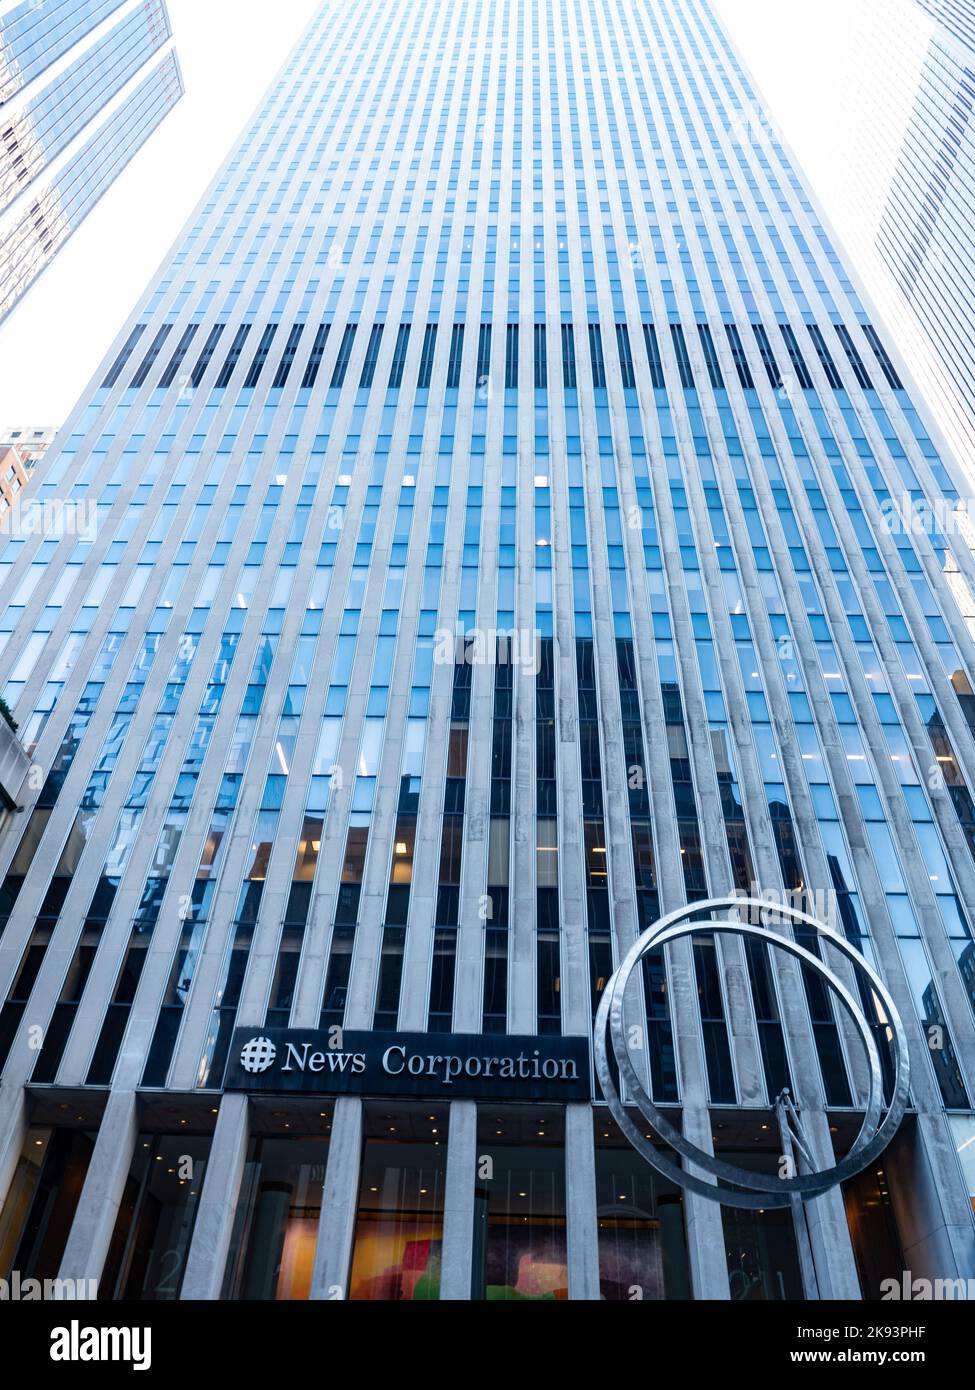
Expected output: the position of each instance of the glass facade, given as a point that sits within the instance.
(482, 539)
(397, 1251)
(899, 199)
(87, 120)
(156, 1220)
(278, 1208)
(41, 1200)
(642, 1249)
(36, 33)
(44, 126)
(520, 1247)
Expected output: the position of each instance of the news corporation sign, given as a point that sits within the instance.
(338, 1061)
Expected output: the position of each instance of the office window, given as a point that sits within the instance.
(741, 361)
(260, 357)
(768, 357)
(317, 351)
(626, 357)
(118, 365)
(520, 1237)
(796, 357)
(683, 361)
(175, 362)
(233, 356)
(483, 353)
(880, 352)
(568, 357)
(371, 357)
(157, 345)
(596, 356)
(456, 357)
(288, 357)
(710, 356)
(653, 356)
(399, 357)
(822, 351)
(272, 1247)
(206, 356)
(541, 358)
(855, 360)
(426, 357)
(511, 358)
(342, 360)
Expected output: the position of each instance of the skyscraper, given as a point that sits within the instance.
(498, 524)
(957, 16)
(899, 103)
(82, 87)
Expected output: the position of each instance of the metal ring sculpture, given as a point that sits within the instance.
(761, 1190)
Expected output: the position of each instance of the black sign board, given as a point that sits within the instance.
(338, 1061)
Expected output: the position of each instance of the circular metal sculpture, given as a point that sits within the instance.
(761, 1190)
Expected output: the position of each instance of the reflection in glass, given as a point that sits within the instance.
(873, 1229)
(519, 1218)
(399, 1221)
(963, 1133)
(272, 1249)
(763, 1263)
(642, 1249)
(40, 1206)
(147, 1256)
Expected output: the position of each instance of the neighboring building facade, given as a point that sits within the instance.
(20, 452)
(496, 548)
(926, 235)
(899, 103)
(13, 476)
(30, 443)
(82, 87)
(957, 16)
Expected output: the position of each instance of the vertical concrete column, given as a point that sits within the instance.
(705, 1233)
(218, 1201)
(101, 1196)
(13, 1130)
(336, 1225)
(935, 1228)
(580, 1203)
(832, 1248)
(829, 1233)
(458, 1207)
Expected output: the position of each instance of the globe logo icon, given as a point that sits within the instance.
(258, 1054)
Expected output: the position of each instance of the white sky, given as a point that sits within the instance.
(804, 56)
(229, 52)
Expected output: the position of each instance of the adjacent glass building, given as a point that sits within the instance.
(486, 535)
(901, 102)
(82, 87)
(957, 16)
